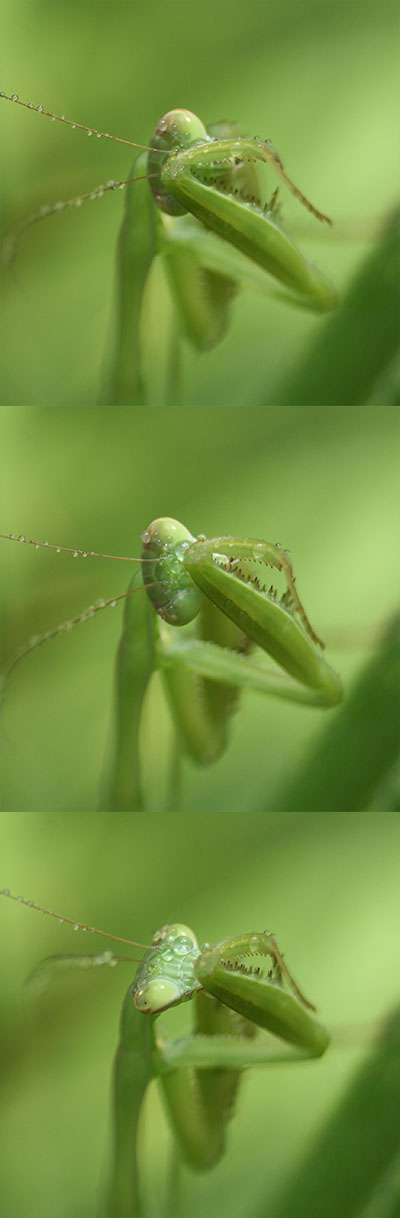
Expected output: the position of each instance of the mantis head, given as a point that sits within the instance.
(166, 975)
(175, 131)
(171, 589)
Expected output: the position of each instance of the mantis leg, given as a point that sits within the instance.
(273, 1002)
(201, 702)
(231, 572)
(230, 1053)
(200, 1101)
(132, 1074)
(247, 227)
(213, 663)
(39, 980)
(201, 290)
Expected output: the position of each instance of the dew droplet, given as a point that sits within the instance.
(39, 109)
(112, 183)
(76, 927)
(76, 554)
(14, 97)
(21, 538)
(182, 945)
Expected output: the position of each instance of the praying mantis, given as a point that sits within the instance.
(199, 1074)
(207, 623)
(205, 229)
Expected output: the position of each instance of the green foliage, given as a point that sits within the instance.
(365, 736)
(359, 1145)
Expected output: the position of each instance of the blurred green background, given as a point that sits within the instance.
(321, 482)
(314, 77)
(326, 885)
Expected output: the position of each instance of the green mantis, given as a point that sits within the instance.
(199, 1074)
(208, 623)
(209, 226)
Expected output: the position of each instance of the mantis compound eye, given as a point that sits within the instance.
(171, 589)
(157, 995)
(180, 937)
(176, 130)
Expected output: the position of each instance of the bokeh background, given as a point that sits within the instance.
(314, 77)
(321, 482)
(326, 885)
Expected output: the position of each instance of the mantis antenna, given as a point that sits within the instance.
(68, 625)
(77, 200)
(60, 118)
(47, 545)
(76, 925)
